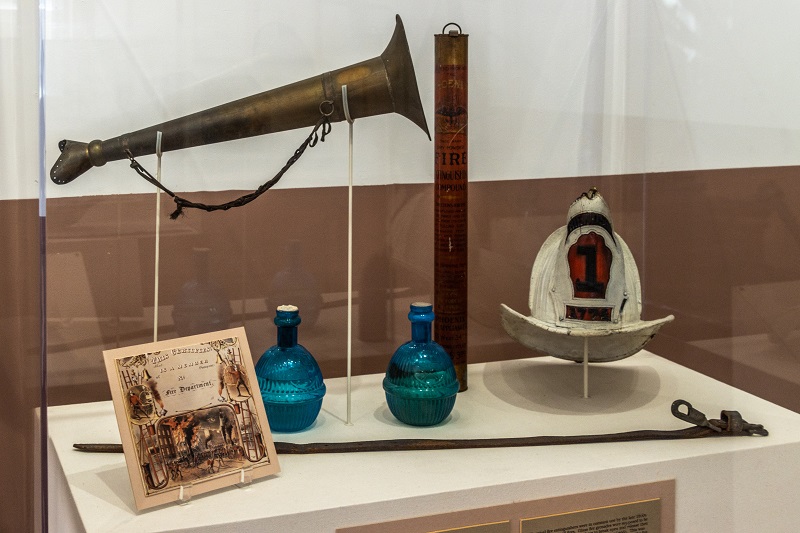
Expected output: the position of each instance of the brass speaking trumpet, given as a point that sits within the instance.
(383, 84)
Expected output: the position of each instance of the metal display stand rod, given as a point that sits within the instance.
(586, 367)
(158, 238)
(350, 121)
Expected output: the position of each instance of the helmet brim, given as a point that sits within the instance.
(605, 344)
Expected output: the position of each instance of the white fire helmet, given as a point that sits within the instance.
(584, 283)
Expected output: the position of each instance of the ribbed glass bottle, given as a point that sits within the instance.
(289, 378)
(420, 383)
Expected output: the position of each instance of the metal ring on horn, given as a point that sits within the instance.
(321, 110)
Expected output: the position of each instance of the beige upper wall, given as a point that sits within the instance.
(19, 100)
(557, 88)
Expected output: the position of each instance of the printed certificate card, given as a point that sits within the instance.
(190, 416)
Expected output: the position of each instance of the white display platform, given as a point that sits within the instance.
(722, 484)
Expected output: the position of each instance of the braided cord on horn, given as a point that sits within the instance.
(321, 129)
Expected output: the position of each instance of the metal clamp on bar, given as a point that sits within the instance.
(733, 423)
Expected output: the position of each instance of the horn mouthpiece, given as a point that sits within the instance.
(73, 161)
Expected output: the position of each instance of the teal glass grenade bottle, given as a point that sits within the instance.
(420, 383)
(289, 378)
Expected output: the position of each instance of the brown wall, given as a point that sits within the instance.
(19, 331)
(719, 249)
(723, 255)
(101, 252)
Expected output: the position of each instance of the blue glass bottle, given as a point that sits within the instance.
(289, 378)
(420, 383)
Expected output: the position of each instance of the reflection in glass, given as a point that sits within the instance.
(201, 305)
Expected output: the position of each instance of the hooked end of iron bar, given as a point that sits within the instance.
(729, 423)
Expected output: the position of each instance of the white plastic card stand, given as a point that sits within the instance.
(184, 494)
(245, 478)
(350, 121)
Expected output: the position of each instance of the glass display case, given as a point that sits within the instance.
(681, 114)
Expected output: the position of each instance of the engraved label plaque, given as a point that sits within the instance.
(634, 517)
(495, 527)
(643, 508)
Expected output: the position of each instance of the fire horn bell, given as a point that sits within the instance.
(384, 84)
